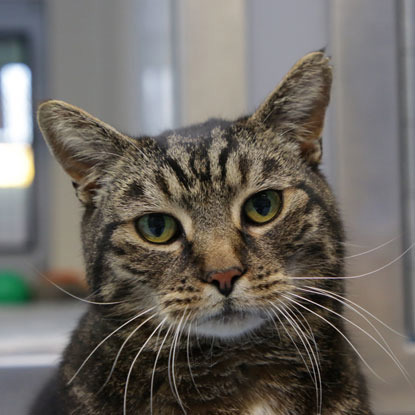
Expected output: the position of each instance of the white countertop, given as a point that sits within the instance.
(35, 334)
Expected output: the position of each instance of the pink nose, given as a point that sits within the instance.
(224, 280)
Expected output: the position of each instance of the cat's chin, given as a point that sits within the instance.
(229, 325)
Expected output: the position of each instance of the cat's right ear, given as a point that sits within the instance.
(297, 106)
(81, 143)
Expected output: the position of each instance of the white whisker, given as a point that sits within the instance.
(79, 298)
(291, 338)
(188, 360)
(360, 308)
(315, 376)
(354, 245)
(349, 277)
(175, 344)
(275, 324)
(338, 331)
(122, 347)
(373, 249)
(386, 349)
(104, 340)
(133, 363)
(313, 358)
(154, 369)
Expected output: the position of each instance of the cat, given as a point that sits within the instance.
(214, 257)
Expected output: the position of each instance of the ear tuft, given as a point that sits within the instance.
(297, 106)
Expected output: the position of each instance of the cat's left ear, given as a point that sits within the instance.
(297, 106)
(83, 145)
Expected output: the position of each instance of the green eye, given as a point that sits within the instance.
(158, 228)
(263, 206)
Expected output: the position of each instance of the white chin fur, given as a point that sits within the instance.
(230, 327)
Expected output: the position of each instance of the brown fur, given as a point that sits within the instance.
(202, 176)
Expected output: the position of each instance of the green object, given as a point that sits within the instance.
(13, 288)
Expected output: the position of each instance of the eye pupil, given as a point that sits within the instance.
(158, 228)
(156, 224)
(262, 207)
(262, 204)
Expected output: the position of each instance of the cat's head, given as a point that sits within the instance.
(213, 224)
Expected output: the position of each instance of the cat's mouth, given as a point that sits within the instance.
(229, 322)
(228, 314)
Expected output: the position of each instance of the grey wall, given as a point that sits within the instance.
(278, 33)
(365, 46)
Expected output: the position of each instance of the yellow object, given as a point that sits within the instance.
(17, 168)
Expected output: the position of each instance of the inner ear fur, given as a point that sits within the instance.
(297, 106)
(81, 143)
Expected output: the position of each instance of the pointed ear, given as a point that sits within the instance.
(297, 106)
(81, 143)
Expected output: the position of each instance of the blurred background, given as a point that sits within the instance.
(147, 65)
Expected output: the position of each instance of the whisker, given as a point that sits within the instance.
(133, 363)
(307, 347)
(373, 249)
(75, 296)
(122, 347)
(176, 340)
(291, 338)
(169, 363)
(339, 331)
(308, 329)
(360, 308)
(387, 350)
(212, 343)
(105, 339)
(275, 324)
(154, 369)
(188, 359)
(315, 361)
(353, 245)
(349, 277)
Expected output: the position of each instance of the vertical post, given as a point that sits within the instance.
(406, 90)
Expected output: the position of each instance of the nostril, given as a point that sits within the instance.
(225, 280)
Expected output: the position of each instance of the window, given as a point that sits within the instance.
(16, 139)
(23, 155)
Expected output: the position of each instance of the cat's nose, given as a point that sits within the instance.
(224, 280)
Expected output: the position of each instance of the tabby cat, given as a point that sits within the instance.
(212, 256)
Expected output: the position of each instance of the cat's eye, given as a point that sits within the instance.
(263, 206)
(157, 228)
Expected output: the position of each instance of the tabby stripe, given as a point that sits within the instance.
(316, 199)
(302, 232)
(178, 171)
(268, 166)
(118, 250)
(244, 166)
(202, 176)
(162, 183)
(224, 155)
(103, 245)
(134, 191)
(207, 176)
(133, 271)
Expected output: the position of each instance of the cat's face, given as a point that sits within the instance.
(209, 224)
